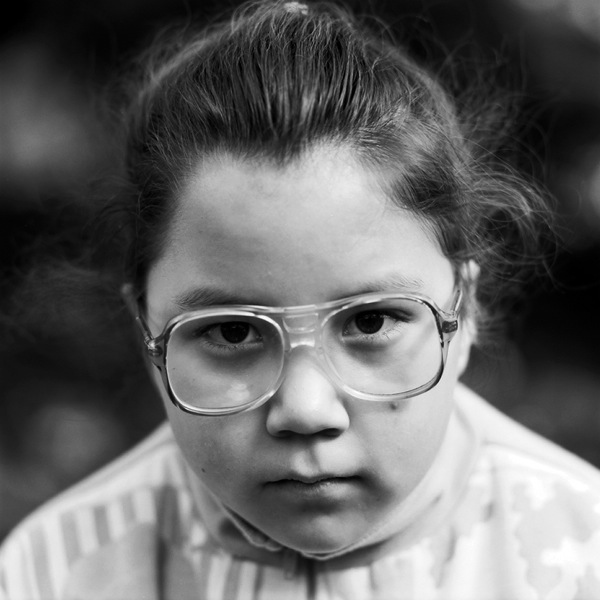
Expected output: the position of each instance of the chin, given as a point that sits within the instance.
(315, 538)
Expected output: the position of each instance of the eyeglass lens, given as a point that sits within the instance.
(383, 348)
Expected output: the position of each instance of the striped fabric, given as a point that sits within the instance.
(525, 525)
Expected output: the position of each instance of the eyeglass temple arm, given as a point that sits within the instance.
(153, 349)
(450, 322)
(134, 305)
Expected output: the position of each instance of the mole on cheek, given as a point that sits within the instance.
(393, 404)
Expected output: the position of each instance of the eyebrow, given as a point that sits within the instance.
(205, 296)
(393, 282)
(202, 297)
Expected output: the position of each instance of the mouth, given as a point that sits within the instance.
(311, 480)
(324, 487)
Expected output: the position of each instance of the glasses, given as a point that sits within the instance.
(378, 346)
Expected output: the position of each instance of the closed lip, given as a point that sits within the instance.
(312, 479)
(314, 490)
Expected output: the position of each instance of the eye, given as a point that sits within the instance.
(230, 333)
(235, 332)
(371, 323)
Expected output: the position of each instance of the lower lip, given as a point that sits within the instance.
(335, 488)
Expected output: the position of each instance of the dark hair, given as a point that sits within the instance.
(278, 78)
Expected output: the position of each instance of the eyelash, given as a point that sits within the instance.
(399, 322)
(226, 347)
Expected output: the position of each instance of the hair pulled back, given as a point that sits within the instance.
(280, 77)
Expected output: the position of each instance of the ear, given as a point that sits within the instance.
(469, 274)
(128, 295)
(130, 298)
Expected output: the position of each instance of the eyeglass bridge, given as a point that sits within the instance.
(301, 328)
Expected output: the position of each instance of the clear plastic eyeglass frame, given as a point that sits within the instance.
(298, 326)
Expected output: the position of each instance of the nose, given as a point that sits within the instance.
(307, 403)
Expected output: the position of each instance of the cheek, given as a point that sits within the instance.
(199, 438)
(405, 438)
(412, 431)
(218, 449)
(412, 436)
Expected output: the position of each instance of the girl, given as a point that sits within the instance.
(317, 239)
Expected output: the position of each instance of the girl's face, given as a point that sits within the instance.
(311, 468)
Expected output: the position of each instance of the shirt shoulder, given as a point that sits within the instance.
(517, 447)
(532, 506)
(85, 537)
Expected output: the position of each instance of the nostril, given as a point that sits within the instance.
(282, 433)
(330, 432)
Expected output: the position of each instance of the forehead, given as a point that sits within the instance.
(321, 186)
(327, 190)
(311, 231)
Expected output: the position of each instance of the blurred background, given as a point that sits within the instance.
(72, 397)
